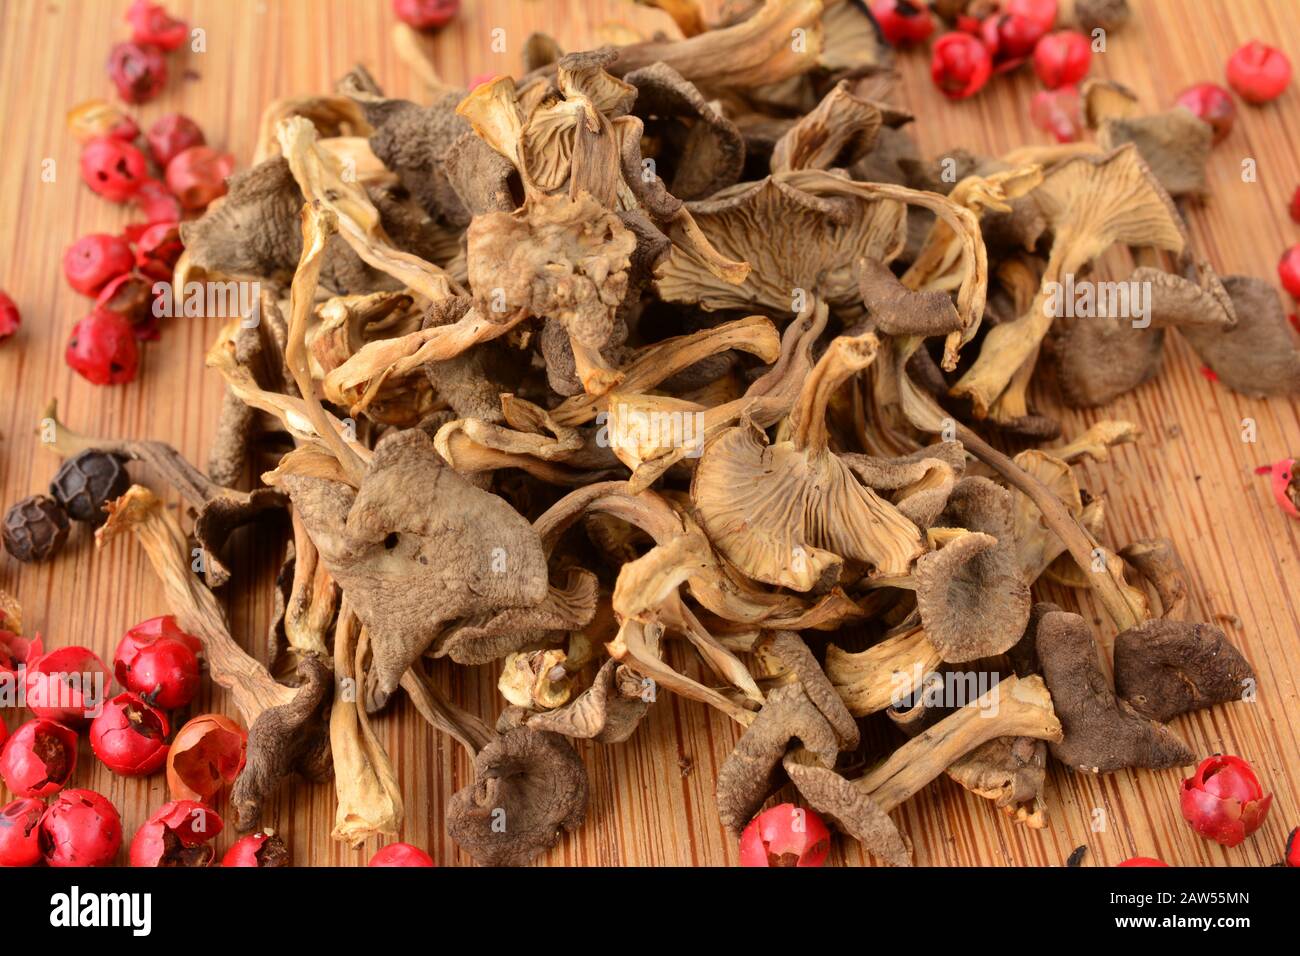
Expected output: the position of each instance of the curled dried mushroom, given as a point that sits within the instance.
(673, 367)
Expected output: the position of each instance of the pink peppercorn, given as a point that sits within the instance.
(138, 70)
(112, 168)
(173, 134)
(93, 261)
(102, 349)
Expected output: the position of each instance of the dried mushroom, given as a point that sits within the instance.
(808, 514)
(1257, 355)
(415, 546)
(529, 788)
(675, 367)
(1102, 732)
(1164, 668)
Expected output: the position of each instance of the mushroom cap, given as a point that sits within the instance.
(610, 710)
(837, 132)
(1102, 732)
(971, 595)
(786, 519)
(897, 310)
(415, 546)
(1100, 359)
(1165, 668)
(789, 648)
(752, 770)
(1257, 356)
(558, 257)
(1175, 144)
(1095, 201)
(712, 149)
(803, 229)
(529, 787)
(921, 481)
(851, 809)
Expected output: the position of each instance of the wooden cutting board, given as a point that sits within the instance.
(652, 798)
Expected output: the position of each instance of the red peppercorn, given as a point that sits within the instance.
(131, 297)
(1143, 861)
(1291, 855)
(138, 70)
(1223, 800)
(1010, 40)
(102, 349)
(1058, 112)
(150, 23)
(39, 758)
(68, 684)
(198, 175)
(1042, 12)
(426, 14)
(20, 843)
(157, 250)
(262, 850)
(785, 835)
(16, 651)
(93, 261)
(1286, 491)
(903, 22)
(1288, 270)
(81, 828)
(1212, 104)
(156, 202)
(207, 754)
(172, 134)
(960, 65)
(4, 732)
(10, 317)
(1062, 58)
(98, 118)
(179, 834)
(112, 168)
(1259, 72)
(159, 661)
(401, 854)
(130, 736)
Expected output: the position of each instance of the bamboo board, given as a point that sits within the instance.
(652, 798)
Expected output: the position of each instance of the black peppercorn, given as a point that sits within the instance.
(35, 528)
(88, 480)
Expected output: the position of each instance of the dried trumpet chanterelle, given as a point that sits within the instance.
(671, 368)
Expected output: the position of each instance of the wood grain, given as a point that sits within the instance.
(1191, 478)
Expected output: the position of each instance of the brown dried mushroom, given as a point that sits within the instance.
(658, 371)
(1101, 732)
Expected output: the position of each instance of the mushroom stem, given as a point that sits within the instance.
(879, 677)
(369, 794)
(195, 607)
(318, 225)
(844, 357)
(1016, 707)
(1081, 544)
(468, 730)
(313, 597)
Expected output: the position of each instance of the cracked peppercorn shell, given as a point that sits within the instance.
(35, 528)
(86, 481)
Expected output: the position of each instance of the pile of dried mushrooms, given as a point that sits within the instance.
(673, 368)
